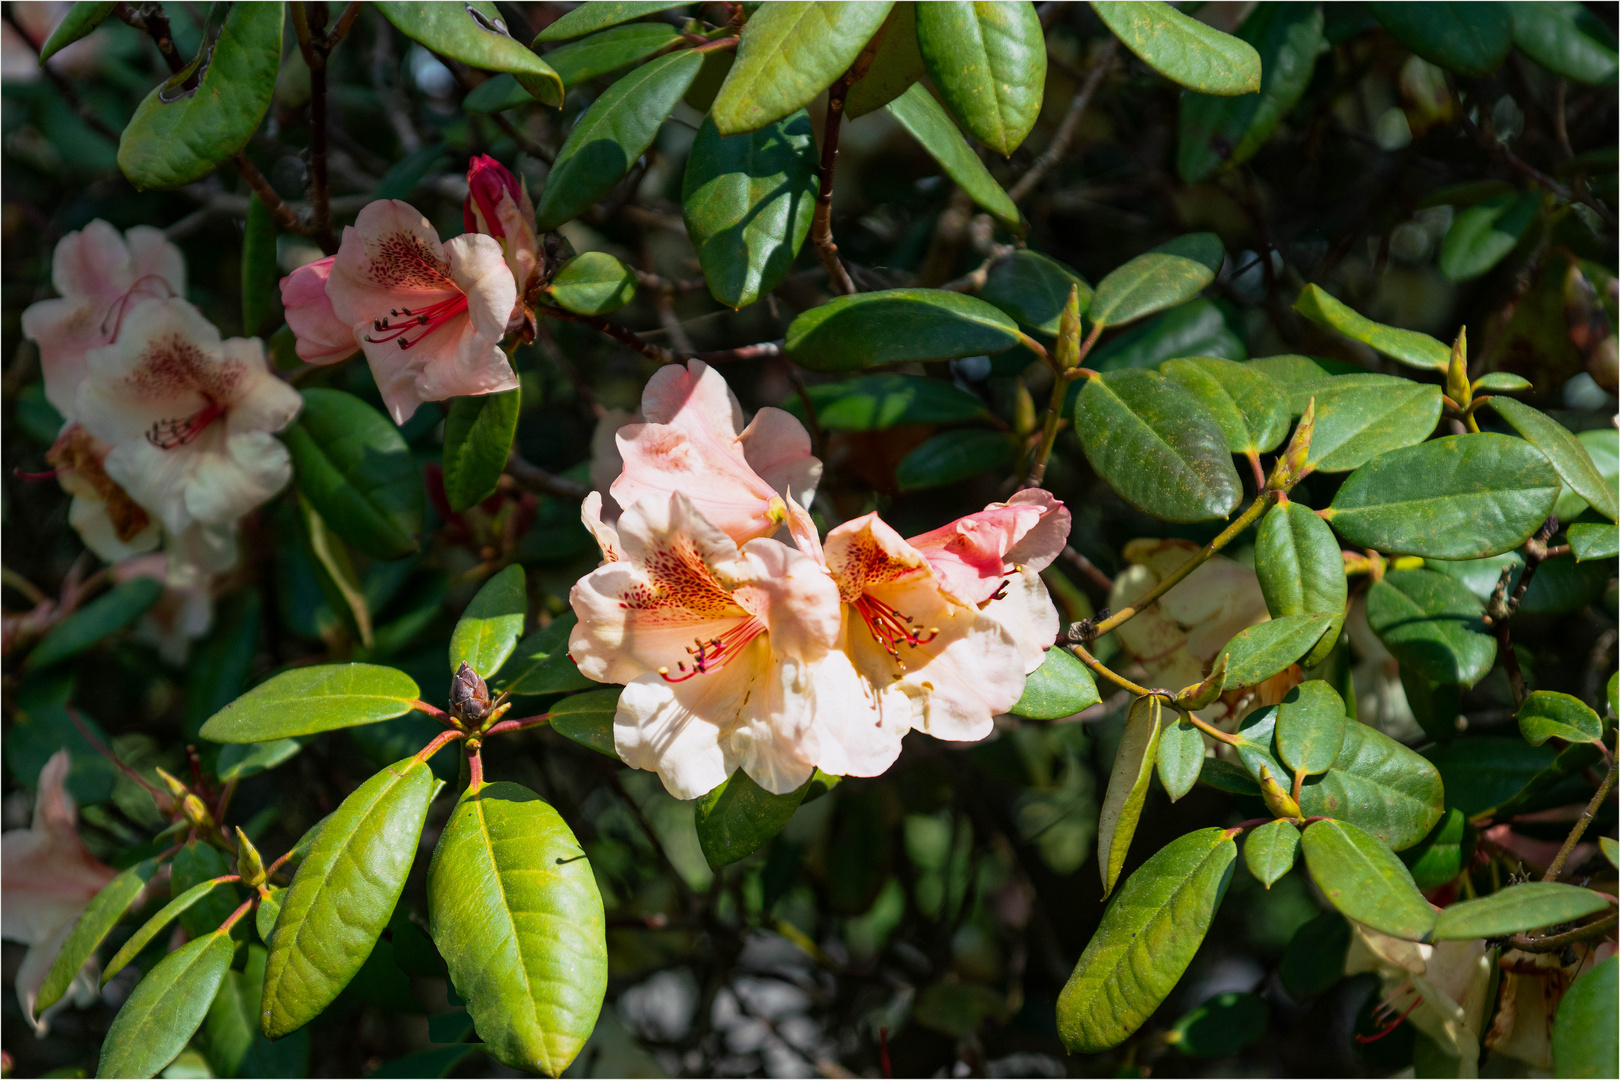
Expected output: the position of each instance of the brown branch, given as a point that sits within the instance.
(1071, 120)
(743, 352)
(285, 215)
(532, 477)
(821, 224)
(618, 333)
(151, 19)
(1497, 149)
(309, 25)
(1557, 942)
(1579, 828)
(1500, 609)
(1089, 569)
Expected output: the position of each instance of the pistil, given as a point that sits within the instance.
(716, 652)
(402, 321)
(890, 628)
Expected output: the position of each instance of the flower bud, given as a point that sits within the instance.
(1277, 800)
(248, 862)
(498, 205)
(1067, 356)
(469, 696)
(1457, 387)
(1291, 467)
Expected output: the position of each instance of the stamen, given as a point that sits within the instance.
(150, 287)
(431, 317)
(715, 653)
(172, 434)
(889, 627)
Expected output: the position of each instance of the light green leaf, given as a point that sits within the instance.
(474, 33)
(588, 719)
(1563, 37)
(893, 326)
(1061, 686)
(1584, 1042)
(1529, 905)
(1363, 879)
(355, 469)
(1432, 624)
(83, 17)
(953, 456)
(879, 402)
(989, 63)
(195, 863)
(609, 51)
(515, 911)
(1170, 274)
(1501, 381)
(1033, 288)
(166, 1008)
(306, 700)
(592, 283)
(1359, 417)
(895, 66)
(1407, 346)
(1566, 452)
(1263, 650)
(1301, 571)
(106, 614)
(478, 434)
(1180, 757)
(929, 123)
(1593, 540)
(264, 919)
(791, 51)
(1310, 728)
(1252, 412)
(1603, 447)
(739, 817)
(1482, 236)
(492, 623)
(589, 18)
(1269, 851)
(540, 664)
(1183, 49)
(1468, 38)
(1547, 714)
(1127, 788)
(91, 929)
(154, 926)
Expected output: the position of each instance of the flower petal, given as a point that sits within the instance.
(973, 554)
(479, 269)
(248, 470)
(1025, 610)
(607, 537)
(865, 553)
(674, 729)
(777, 447)
(693, 397)
(859, 727)
(793, 595)
(662, 459)
(774, 740)
(322, 337)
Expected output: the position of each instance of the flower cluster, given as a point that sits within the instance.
(429, 316)
(740, 649)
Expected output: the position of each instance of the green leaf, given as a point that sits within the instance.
(1433, 625)
(1502, 380)
(259, 270)
(1435, 705)
(790, 52)
(155, 926)
(205, 113)
(1458, 497)
(1301, 570)
(739, 817)
(106, 614)
(1224, 776)
(895, 66)
(81, 18)
(515, 911)
(1567, 453)
(894, 326)
(91, 929)
(1314, 958)
(1291, 372)
(1468, 38)
(490, 627)
(478, 434)
(1441, 855)
(194, 864)
(1267, 648)
(231, 1028)
(1033, 288)
(1363, 879)
(1529, 905)
(496, 94)
(953, 456)
(1127, 788)
(929, 123)
(1061, 686)
(1547, 714)
(1221, 1026)
(1270, 850)
(989, 63)
(1584, 1042)
(474, 33)
(1252, 412)
(1481, 236)
(1180, 757)
(307, 700)
(747, 202)
(540, 664)
(437, 1060)
(1147, 937)
(264, 919)
(333, 570)
(36, 415)
(1218, 132)
(616, 130)
(1183, 49)
(343, 894)
(354, 467)
(1561, 36)
(1310, 728)
(1593, 540)
(879, 402)
(588, 18)
(1487, 771)
(1157, 446)
(1359, 417)
(1611, 849)
(1407, 346)
(1603, 447)
(1170, 274)
(592, 283)
(588, 719)
(609, 51)
(1196, 328)
(167, 1007)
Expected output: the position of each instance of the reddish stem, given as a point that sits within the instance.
(236, 916)
(438, 743)
(518, 725)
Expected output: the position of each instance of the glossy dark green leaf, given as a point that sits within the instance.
(1566, 39)
(1407, 346)
(195, 863)
(496, 94)
(1310, 727)
(893, 326)
(1180, 757)
(1435, 705)
(1061, 686)
(1147, 937)
(333, 569)
(1196, 328)
(474, 33)
(1267, 648)
(1359, 417)
(540, 663)
(1252, 412)
(83, 17)
(478, 434)
(988, 62)
(1441, 855)
(1432, 624)
(1291, 373)
(952, 456)
(1301, 571)
(1468, 38)
(1584, 1042)
(895, 66)
(303, 701)
(1170, 274)
(154, 926)
(609, 51)
(1220, 131)
(1486, 771)
(489, 629)
(1528, 905)
(1547, 714)
(739, 817)
(1183, 49)
(1482, 236)
(1567, 454)
(589, 18)
(1224, 776)
(343, 894)
(106, 614)
(588, 719)
(929, 123)
(747, 202)
(1156, 446)
(231, 1028)
(259, 270)
(592, 283)
(1593, 540)
(1559, 586)
(616, 130)
(1269, 851)
(1459, 497)
(515, 910)
(790, 52)
(1033, 288)
(1603, 447)
(166, 1008)
(91, 929)
(1364, 880)
(205, 113)
(354, 467)
(1127, 788)
(1221, 1026)
(878, 402)
(1314, 958)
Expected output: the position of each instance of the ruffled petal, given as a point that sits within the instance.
(152, 255)
(479, 270)
(693, 397)
(793, 595)
(65, 331)
(156, 479)
(662, 460)
(607, 537)
(264, 402)
(248, 470)
(390, 256)
(674, 729)
(322, 337)
(859, 727)
(92, 264)
(777, 447)
(865, 553)
(89, 517)
(774, 740)
(1025, 610)
(973, 554)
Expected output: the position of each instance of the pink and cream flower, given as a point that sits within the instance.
(319, 336)
(110, 523)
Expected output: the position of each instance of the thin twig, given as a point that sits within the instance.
(533, 478)
(618, 333)
(309, 24)
(1579, 828)
(1089, 569)
(1558, 942)
(285, 215)
(1071, 120)
(1499, 150)
(760, 351)
(821, 224)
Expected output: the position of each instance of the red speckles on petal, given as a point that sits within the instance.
(864, 564)
(678, 585)
(401, 260)
(172, 366)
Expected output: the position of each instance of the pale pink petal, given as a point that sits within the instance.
(390, 256)
(202, 550)
(65, 330)
(777, 447)
(860, 728)
(263, 401)
(156, 479)
(773, 740)
(865, 553)
(1043, 543)
(960, 688)
(606, 464)
(674, 729)
(793, 595)
(166, 365)
(47, 875)
(396, 382)
(322, 337)
(151, 255)
(93, 264)
(89, 517)
(249, 470)
(1026, 612)
(661, 460)
(693, 397)
(802, 528)
(607, 537)
(475, 366)
(974, 554)
(480, 271)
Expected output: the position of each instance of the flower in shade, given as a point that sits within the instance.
(101, 277)
(498, 205)
(47, 878)
(1441, 989)
(110, 523)
(320, 337)
(189, 417)
(184, 610)
(429, 316)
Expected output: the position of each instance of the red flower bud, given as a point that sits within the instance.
(488, 181)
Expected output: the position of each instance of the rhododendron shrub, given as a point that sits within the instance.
(788, 539)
